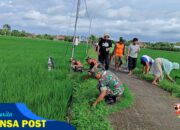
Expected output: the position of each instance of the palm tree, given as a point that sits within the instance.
(6, 28)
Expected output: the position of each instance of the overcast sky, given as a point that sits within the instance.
(149, 20)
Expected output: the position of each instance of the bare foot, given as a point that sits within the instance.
(130, 74)
(155, 83)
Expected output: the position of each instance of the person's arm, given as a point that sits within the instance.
(147, 68)
(170, 78)
(144, 69)
(99, 45)
(100, 98)
(138, 50)
(128, 53)
(110, 45)
(124, 50)
(114, 49)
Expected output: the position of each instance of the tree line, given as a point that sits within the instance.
(7, 31)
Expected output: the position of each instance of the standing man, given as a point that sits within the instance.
(133, 51)
(104, 46)
(119, 53)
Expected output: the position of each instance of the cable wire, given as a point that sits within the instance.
(69, 24)
(75, 27)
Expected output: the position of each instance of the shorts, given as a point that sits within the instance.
(119, 60)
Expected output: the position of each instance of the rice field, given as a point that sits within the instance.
(24, 76)
(165, 84)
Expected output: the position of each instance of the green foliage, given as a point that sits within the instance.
(6, 29)
(68, 38)
(2, 32)
(15, 33)
(85, 117)
(162, 46)
(93, 39)
(24, 76)
(178, 44)
(165, 84)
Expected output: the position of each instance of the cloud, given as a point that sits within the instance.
(159, 20)
(124, 12)
(7, 4)
(34, 15)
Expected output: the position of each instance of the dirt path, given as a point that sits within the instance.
(153, 108)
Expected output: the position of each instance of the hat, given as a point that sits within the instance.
(175, 65)
(106, 34)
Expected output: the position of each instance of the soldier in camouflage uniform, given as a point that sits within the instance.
(110, 86)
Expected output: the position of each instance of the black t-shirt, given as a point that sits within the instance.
(103, 44)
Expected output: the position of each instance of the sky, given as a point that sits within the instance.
(149, 20)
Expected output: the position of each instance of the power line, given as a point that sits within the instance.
(69, 25)
(87, 12)
(87, 47)
(75, 27)
(90, 25)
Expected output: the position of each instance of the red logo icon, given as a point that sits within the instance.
(177, 108)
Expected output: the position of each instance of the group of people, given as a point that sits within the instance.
(108, 51)
(158, 67)
(109, 85)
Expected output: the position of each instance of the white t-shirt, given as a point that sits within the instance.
(149, 59)
(134, 50)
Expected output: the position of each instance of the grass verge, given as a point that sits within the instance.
(85, 117)
(174, 89)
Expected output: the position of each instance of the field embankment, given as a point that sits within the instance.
(165, 84)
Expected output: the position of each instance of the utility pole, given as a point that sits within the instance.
(90, 25)
(75, 27)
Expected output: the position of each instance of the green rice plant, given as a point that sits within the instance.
(165, 84)
(85, 117)
(24, 76)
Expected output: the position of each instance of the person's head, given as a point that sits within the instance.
(73, 61)
(143, 63)
(175, 65)
(88, 60)
(106, 36)
(96, 72)
(121, 40)
(98, 75)
(135, 41)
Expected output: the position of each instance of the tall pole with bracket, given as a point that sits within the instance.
(75, 27)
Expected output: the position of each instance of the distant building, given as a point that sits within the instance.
(31, 35)
(60, 37)
(142, 44)
(177, 47)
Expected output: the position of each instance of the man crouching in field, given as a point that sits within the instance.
(110, 87)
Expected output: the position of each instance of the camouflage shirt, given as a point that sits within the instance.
(110, 82)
